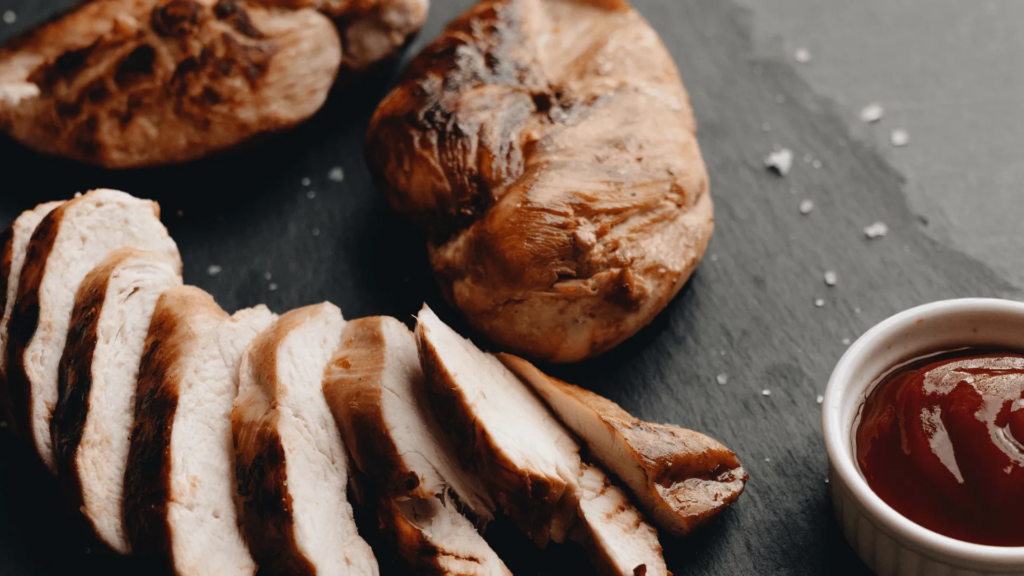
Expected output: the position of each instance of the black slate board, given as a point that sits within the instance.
(749, 311)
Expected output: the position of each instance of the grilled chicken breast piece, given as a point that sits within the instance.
(548, 149)
(530, 463)
(291, 465)
(179, 485)
(97, 379)
(682, 478)
(374, 387)
(68, 243)
(13, 247)
(129, 83)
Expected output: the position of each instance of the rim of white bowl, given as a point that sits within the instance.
(839, 444)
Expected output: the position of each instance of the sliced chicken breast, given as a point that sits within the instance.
(13, 246)
(68, 243)
(682, 478)
(291, 464)
(180, 485)
(529, 462)
(98, 375)
(374, 387)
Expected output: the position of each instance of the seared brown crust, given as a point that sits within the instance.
(355, 398)
(265, 504)
(6, 257)
(696, 476)
(548, 149)
(126, 83)
(25, 319)
(74, 376)
(529, 500)
(147, 478)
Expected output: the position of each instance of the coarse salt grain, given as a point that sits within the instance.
(802, 55)
(806, 207)
(780, 161)
(311, 194)
(846, 341)
(876, 230)
(306, 181)
(272, 286)
(831, 278)
(722, 378)
(872, 113)
(336, 174)
(213, 270)
(820, 398)
(267, 276)
(899, 137)
(766, 392)
(10, 17)
(819, 302)
(316, 231)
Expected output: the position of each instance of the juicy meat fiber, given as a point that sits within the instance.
(548, 149)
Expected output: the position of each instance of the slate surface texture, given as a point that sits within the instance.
(749, 312)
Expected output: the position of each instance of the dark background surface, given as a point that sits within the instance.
(749, 312)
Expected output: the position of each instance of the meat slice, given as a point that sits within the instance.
(68, 243)
(291, 464)
(549, 151)
(531, 464)
(179, 484)
(98, 375)
(13, 246)
(373, 31)
(374, 387)
(682, 478)
(128, 83)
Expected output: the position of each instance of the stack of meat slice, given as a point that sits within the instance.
(221, 443)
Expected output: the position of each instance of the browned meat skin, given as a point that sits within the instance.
(6, 247)
(126, 83)
(683, 479)
(548, 149)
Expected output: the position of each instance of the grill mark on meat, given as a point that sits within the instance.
(74, 382)
(233, 12)
(25, 320)
(137, 65)
(176, 18)
(147, 477)
(266, 515)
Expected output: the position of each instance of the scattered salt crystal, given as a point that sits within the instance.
(722, 378)
(180, 213)
(816, 164)
(272, 286)
(306, 181)
(846, 341)
(802, 55)
(213, 270)
(876, 230)
(267, 275)
(714, 257)
(819, 302)
(872, 113)
(336, 174)
(311, 194)
(10, 17)
(766, 392)
(766, 127)
(856, 309)
(767, 459)
(806, 207)
(899, 137)
(831, 278)
(779, 161)
(316, 231)
(721, 352)
(820, 398)
(826, 480)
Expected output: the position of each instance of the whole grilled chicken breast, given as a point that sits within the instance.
(548, 149)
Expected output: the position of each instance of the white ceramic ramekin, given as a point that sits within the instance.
(888, 542)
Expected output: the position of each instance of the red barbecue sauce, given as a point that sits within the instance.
(941, 440)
